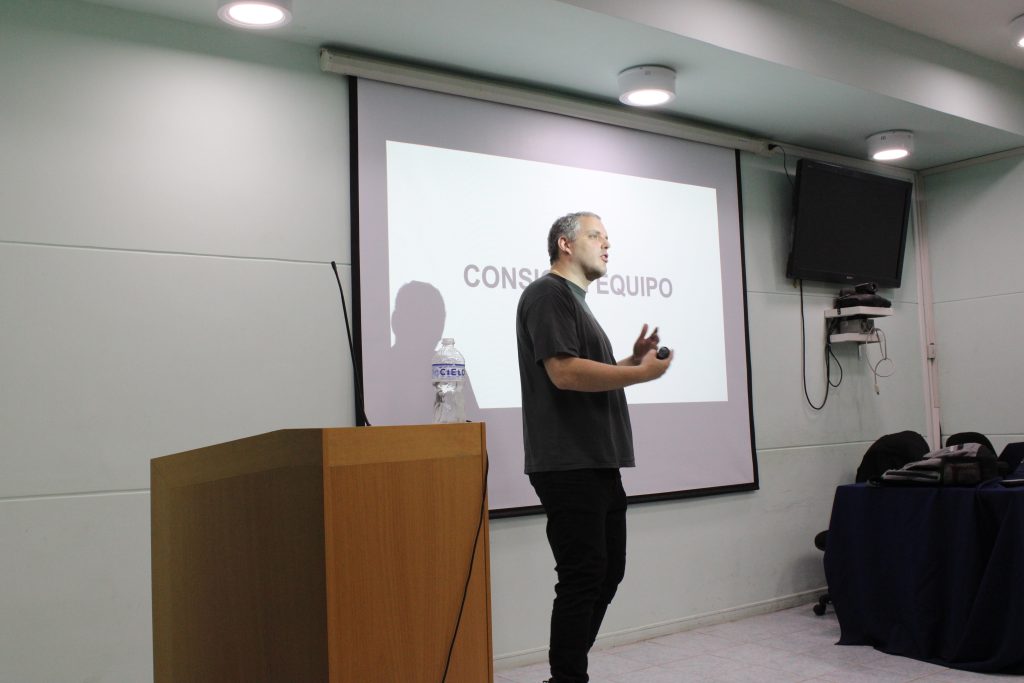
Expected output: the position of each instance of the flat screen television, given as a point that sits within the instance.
(849, 226)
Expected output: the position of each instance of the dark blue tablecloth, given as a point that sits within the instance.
(931, 573)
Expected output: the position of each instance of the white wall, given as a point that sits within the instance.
(973, 218)
(170, 197)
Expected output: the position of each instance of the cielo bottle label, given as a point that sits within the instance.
(448, 372)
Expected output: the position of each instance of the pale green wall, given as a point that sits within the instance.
(976, 243)
(170, 197)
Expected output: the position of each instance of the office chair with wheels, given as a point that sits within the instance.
(820, 542)
(891, 451)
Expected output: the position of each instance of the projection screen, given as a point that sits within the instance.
(455, 199)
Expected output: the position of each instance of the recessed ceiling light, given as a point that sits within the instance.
(890, 145)
(647, 86)
(255, 13)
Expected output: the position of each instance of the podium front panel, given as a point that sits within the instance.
(404, 509)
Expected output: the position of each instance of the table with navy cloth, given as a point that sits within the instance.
(932, 573)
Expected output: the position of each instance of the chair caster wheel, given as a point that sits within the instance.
(819, 609)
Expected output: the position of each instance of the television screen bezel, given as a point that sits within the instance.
(803, 272)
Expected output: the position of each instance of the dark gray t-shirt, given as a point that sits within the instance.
(566, 430)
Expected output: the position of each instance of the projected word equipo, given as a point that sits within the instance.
(633, 285)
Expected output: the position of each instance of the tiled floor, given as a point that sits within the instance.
(783, 647)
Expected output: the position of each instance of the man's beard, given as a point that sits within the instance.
(594, 273)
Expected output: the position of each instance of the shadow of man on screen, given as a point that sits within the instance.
(417, 322)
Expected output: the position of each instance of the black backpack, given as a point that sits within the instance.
(890, 452)
(964, 464)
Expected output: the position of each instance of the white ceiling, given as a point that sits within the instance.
(981, 27)
(807, 73)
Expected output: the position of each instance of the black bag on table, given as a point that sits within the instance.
(967, 464)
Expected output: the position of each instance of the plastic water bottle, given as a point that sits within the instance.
(448, 372)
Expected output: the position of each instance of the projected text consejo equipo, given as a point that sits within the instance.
(505, 277)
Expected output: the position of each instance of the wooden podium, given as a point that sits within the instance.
(334, 555)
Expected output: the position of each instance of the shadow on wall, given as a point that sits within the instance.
(417, 322)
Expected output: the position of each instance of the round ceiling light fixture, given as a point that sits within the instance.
(891, 145)
(258, 14)
(1017, 28)
(647, 86)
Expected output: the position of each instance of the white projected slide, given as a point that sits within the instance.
(475, 227)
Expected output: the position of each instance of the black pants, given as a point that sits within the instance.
(586, 511)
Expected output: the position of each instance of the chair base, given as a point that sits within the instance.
(820, 607)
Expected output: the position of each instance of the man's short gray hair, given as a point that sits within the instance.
(567, 226)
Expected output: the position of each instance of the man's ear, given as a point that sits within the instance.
(564, 245)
